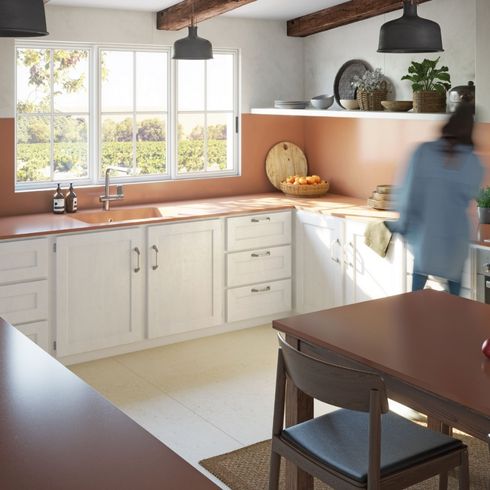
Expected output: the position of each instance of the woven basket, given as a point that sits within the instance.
(305, 190)
(371, 101)
(429, 101)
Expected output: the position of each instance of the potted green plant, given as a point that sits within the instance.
(371, 90)
(429, 84)
(483, 202)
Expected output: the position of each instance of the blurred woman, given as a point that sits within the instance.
(443, 176)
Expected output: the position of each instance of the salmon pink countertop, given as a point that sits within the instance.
(330, 204)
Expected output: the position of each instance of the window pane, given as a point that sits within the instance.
(70, 147)
(71, 79)
(151, 81)
(151, 144)
(190, 85)
(117, 141)
(33, 148)
(33, 80)
(220, 83)
(117, 81)
(190, 146)
(220, 142)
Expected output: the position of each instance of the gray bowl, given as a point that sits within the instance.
(322, 101)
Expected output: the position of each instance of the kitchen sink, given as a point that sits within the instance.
(119, 215)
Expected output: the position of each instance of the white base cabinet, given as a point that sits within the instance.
(319, 255)
(368, 275)
(100, 290)
(24, 287)
(185, 277)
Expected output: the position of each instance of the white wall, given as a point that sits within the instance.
(326, 52)
(271, 63)
(483, 60)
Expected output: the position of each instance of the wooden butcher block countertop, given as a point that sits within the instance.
(330, 204)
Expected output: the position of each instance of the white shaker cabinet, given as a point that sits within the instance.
(100, 290)
(319, 280)
(368, 275)
(24, 287)
(185, 277)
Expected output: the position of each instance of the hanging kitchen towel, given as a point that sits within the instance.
(377, 237)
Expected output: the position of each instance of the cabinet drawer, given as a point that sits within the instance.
(257, 231)
(23, 260)
(37, 332)
(258, 300)
(267, 264)
(23, 303)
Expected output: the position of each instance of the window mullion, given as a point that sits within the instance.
(51, 116)
(134, 111)
(205, 133)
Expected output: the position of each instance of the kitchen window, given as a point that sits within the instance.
(80, 108)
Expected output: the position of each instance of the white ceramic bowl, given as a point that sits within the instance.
(349, 104)
(322, 101)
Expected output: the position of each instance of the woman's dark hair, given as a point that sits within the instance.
(459, 128)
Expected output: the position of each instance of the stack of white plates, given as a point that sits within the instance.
(290, 104)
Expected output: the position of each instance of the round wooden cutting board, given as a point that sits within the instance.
(283, 160)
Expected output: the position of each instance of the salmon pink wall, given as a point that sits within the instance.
(357, 154)
(354, 154)
(259, 134)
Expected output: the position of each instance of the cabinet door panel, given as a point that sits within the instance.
(22, 303)
(37, 332)
(258, 300)
(23, 260)
(185, 277)
(258, 265)
(368, 275)
(318, 262)
(100, 290)
(261, 230)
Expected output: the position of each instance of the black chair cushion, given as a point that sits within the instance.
(340, 440)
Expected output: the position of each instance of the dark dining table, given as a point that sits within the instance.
(56, 432)
(426, 345)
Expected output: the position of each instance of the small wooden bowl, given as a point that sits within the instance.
(397, 105)
(305, 190)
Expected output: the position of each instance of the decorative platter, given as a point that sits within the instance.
(342, 87)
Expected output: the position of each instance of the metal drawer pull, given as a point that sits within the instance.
(138, 254)
(262, 290)
(335, 259)
(258, 220)
(155, 248)
(261, 254)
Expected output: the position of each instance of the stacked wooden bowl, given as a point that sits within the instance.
(382, 198)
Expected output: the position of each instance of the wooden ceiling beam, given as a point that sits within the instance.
(179, 15)
(341, 15)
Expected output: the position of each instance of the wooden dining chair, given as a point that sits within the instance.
(362, 444)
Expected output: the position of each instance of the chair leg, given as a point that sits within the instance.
(443, 481)
(274, 471)
(464, 472)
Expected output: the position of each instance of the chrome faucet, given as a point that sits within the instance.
(106, 198)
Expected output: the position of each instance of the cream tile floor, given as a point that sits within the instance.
(202, 397)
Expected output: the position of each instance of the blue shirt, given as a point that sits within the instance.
(433, 202)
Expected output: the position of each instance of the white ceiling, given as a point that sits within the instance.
(261, 9)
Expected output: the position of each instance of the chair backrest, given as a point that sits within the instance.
(332, 384)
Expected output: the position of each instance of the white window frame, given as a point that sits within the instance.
(20, 186)
(94, 116)
(236, 121)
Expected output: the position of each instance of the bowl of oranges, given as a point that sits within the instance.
(304, 185)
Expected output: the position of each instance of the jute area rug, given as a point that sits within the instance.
(248, 468)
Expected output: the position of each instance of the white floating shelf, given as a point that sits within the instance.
(407, 116)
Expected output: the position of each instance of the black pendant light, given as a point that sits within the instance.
(193, 47)
(410, 33)
(22, 18)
